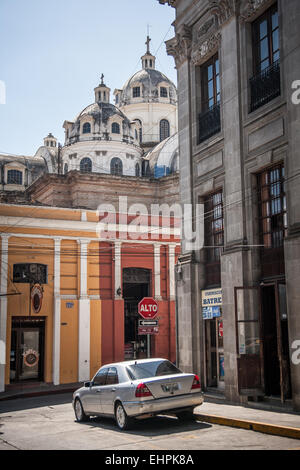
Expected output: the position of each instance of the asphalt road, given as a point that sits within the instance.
(48, 423)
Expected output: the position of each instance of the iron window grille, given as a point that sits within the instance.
(115, 128)
(213, 236)
(86, 128)
(14, 177)
(272, 220)
(136, 92)
(164, 129)
(116, 167)
(86, 165)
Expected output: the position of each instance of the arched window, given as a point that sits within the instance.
(115, 128)
(14, 177)
(116, 167)
(86, 128)
(137, 170)
(65, 168)
(164, 129)
(86, 165)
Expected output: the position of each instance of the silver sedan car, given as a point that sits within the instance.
(138, 389)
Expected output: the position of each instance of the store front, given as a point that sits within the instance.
(214, 344)
(27, 349)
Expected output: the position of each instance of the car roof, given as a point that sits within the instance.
(133, 362)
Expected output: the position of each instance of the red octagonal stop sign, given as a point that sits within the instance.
(148, 307)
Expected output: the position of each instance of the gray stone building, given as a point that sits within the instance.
(238, 64)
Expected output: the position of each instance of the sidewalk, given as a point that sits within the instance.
(278, 423)
(214, 411)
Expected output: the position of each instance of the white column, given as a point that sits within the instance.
(57, 306)
(172, 271)
(84, 317)
(157, 291)
(118, 274)
(3, 309)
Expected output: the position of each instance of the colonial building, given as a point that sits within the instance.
(83, 239)
(238, 297)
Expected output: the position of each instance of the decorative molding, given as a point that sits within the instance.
(201, 53)
(223, 10)
(205, 28)
(180, 46)
(253, 8)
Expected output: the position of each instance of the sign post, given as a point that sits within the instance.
(148, 309)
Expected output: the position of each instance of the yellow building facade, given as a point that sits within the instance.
(61, 343)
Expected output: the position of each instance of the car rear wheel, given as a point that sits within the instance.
(79, 412)
(122, 420)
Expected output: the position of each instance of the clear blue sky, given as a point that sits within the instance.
(53, 52)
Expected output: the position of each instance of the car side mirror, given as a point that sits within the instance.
(87, 384)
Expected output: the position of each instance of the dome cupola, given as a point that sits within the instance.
(148, 60)
(102, 92)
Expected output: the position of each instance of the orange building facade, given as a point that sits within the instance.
(69, 295)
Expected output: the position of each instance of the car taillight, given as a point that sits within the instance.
(196, 382)
(142, 391)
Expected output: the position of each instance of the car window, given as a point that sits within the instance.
(112, 376)
(152, 369)
(100, 377)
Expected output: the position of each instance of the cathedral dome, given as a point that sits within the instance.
(148, 85)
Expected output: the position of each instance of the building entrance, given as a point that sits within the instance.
(275, 341)
(136, 286)
(27, 349)
(214, 353)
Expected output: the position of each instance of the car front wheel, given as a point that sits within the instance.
(79, 412)
(122, 420)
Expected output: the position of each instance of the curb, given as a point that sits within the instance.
(37, 394)
(283, 431)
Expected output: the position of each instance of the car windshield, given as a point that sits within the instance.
(151, 369)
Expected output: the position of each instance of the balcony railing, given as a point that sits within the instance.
(265, 86)
(209, 123)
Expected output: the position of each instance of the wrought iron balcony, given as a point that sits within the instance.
(209, 123)
(265, 86)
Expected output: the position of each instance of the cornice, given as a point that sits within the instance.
(180, 46)
(202, 52)
(172, 3)
(253, 8)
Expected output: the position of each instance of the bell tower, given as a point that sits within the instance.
(148, 60)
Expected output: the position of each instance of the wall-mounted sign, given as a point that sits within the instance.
(212, 298)
(36, 297)
(70, 304)
(208, 313)
(31, 358)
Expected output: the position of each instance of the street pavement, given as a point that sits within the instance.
(48, 423)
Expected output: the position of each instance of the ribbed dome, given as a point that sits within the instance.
(102, 112)
(149, 79)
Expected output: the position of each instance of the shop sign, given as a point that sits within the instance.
(212, 297)
(36, 297)
(31, 358)
(209, 313)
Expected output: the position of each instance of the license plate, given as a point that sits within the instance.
(170, 388)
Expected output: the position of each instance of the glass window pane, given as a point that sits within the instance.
(217, 67)
(263, 29)
(210, 72)
(276, 56)
(275, 37)
(275, 20)
(265, 64)
(264, 49)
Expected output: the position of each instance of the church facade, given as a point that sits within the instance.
(84, 237)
